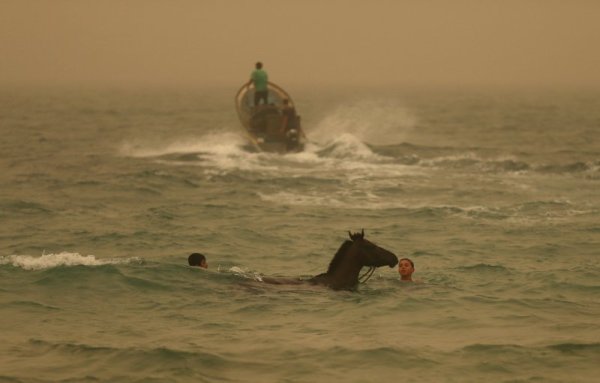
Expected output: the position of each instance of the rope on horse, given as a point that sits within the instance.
(365, 277)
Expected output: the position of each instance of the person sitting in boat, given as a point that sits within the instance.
(290, 119)
(260, 78)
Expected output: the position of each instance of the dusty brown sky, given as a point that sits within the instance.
(308, 42)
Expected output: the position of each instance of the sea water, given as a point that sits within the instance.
(495, 196)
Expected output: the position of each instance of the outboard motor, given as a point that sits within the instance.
(292, 138)
(292, 135)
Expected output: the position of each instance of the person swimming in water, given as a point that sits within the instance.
(197, 259)
(406, 268)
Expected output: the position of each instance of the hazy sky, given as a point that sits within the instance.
(308, 42)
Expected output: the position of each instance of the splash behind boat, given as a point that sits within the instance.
(266, 125)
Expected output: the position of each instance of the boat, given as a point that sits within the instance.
(266, 126)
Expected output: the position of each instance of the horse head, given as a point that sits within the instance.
(372, 255)
(351, 257)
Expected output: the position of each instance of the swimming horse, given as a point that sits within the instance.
(344, 269)
(351, 257)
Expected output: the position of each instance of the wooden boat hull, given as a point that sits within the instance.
(265, 125)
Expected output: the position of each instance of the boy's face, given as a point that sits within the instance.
(204, 264)
(405, 268)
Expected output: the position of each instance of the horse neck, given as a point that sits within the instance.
(346, 270)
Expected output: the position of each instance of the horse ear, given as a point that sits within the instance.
(356, 236)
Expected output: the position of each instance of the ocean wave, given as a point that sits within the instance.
(336, 154)
(49, 261)
(484, 267)
(573, 167)
(368, 195)
(347, 146)
(31, 305)
(513, 165)
(472, 159)
(82, 348)
(221, 143)
(302, 199)
(579, 288)
(593, 347)
(572, 348)
(224, 153)
(546, 209)
(366, 200)
(113, 363)
(23, 207)
(339, 361)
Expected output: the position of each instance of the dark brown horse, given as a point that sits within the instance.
(351, 257)
(344, 268)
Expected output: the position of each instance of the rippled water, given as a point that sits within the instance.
(104, 194)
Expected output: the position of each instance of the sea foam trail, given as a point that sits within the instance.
(226, 152)
(48, 261)
(223, 143)
(344, 132)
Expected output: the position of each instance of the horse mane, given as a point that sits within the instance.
(337, 258)
(343, 249)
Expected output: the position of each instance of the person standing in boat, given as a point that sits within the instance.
(260, 79)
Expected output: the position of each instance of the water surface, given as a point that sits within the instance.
(105, 193)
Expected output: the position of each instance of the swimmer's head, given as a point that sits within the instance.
(406, 268)
(197, 259)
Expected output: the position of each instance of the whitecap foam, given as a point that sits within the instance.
(245, 274)
(48, 261)
(295, 199)
(348, 146)
(223, 143)
(354, 199)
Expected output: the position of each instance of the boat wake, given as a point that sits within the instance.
(343, 152)
(220, 143)
(230, 152)
(366, 138)
(345, 133)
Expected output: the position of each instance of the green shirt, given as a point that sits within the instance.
(260, 79)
